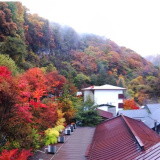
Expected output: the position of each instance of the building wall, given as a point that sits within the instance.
(112, 110)
(108, 97)
(104, 108)
(90, 94)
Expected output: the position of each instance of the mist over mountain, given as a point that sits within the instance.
(154, 59)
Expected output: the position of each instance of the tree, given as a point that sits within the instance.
(15, 114)
(37, 83)
(113, 58)
(5, 74)
(8, 97)
(38, 33)
(7, 26)
(130, 104)
(15, 48)
(45, 117)
(81, 80)
(93, 79)
(54, 83)
(15, 154)
(121, 82)
(102, 76)
(5, 60)
(67, 100)
(18, 17)
(83, 62)
(87, 114)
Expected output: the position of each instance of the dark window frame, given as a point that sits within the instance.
(120, 105)
(121, 96)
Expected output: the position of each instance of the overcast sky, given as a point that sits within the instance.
(131, 23)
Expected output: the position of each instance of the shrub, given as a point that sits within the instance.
(51, 136)
(15, 154)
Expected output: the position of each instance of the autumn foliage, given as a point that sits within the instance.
(29, 104)
(130, 104)
(7, 26)
(47, 61)
(31, 41)
(15, 154)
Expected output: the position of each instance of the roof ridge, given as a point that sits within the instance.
(106, 120)
(103, 87)
(137, 138)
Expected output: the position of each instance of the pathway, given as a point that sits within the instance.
(73, 149)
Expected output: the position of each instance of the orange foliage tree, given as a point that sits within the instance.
(15, 154)
(26, 109)
(130, 104)
(54, 83)
(7, 26)
(83, 62)
(15, 114)
(36, 82)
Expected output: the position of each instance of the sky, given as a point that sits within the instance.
(134, 24)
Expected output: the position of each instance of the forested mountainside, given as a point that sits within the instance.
(29, 41)
(155, 59)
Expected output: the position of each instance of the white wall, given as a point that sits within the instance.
(104, 108)
(105, 97)
(88, 93)
(108, 97)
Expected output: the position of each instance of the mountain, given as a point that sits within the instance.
(85, 59)
(154, 59)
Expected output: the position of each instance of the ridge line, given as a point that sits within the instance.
(138, 140)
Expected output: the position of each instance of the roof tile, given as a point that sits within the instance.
(116, 139)
(105, 114)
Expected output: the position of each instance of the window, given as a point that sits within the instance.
(121, 96)
(120, 105)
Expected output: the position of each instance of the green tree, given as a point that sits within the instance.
(93, 79)
(87, 114)
(18, 17)
(101, 79)
(15, 48)
(5, 60)
(121, 81)
(80, 80)
(111, 80)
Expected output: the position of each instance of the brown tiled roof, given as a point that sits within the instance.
(105, 114)
(124, 138)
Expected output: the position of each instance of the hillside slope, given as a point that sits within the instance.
(154, 59)
(32, 41)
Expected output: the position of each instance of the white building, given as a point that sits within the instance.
(108, 97)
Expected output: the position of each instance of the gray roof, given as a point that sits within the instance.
(153, 107)
(148, 117)
(136, 114)
(152, 117)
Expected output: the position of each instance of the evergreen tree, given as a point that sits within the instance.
(101, 79)
(87, 114)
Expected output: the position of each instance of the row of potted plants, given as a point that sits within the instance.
(57, 134)
(70, 129)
